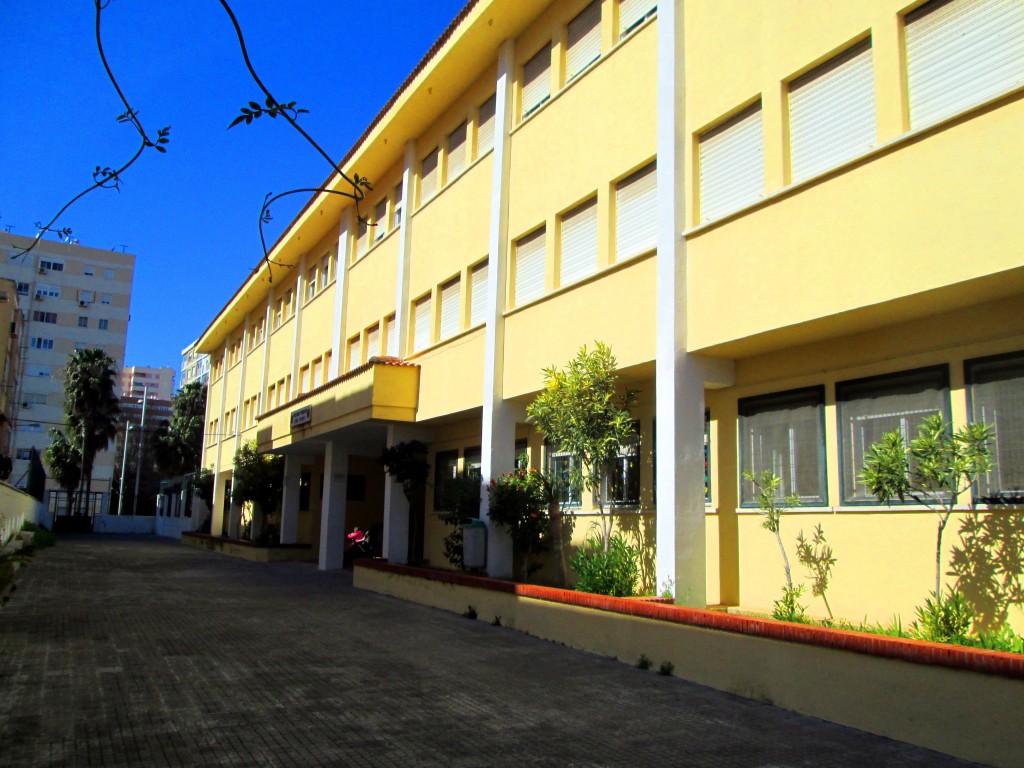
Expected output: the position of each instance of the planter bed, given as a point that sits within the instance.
(962, 701)
(247, 550)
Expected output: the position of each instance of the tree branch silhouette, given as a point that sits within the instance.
(104, 177)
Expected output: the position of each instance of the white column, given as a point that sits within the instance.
(290, 497)
(405, 250)
(268, 316)
(681, 547)
(300, 290)
(332, 515)
(340, 282)
(499, 417)
(218, 498)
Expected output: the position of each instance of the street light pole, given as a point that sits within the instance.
(124, 467)
(142, 437)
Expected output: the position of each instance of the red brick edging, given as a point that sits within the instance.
(918, 651)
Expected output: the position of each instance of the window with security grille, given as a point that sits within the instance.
(784, 433)
(995, 395)
(869, 408)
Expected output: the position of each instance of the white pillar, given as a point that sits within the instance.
(499, 417)
(405, 250)
(290, 498)
(681, 547)
(234, 520)
(332, 515)
(336, 365)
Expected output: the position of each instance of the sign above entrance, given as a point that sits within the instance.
(302, 417)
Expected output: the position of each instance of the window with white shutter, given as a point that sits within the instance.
(428, 176)
(732, 164)
(354, 353)
(380, 218)
(456, 152)
(578, 248)
(633, 13)
(398, 205)
(832, 113)
(962, 52)
(485, 127)
(421, 323)
(362, 237)
(450, 309)
(392, 337)
(537, 80)
(529, 268)
(316, 373)
(636, 213)
(478, 294)
(373, 342)
(584, 40)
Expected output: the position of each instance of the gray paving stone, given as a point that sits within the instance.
(118, 651)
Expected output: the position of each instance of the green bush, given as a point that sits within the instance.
(944, 619)
(41, 537)
(788, 607)
(613, 572)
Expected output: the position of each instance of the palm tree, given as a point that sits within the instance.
(91, 408)
(65, 464)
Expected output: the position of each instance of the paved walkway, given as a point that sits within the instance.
(140, 652)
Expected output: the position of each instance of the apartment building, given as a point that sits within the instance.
(142, 381)
(73, 297)
(194, 366)
(794, 224)
(11, 327)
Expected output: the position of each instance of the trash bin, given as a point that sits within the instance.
(474, 543)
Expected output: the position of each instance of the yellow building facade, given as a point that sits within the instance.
(795, 224)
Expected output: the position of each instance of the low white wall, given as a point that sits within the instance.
(123, 524)
(17, 507)
(173, 527)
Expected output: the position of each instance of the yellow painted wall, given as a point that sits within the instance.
(885, 554)
(372, 283)
(451, 377)
(550, 331)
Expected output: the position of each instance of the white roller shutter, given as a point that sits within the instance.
(961, 53)
(832, 112)
(362, 236)
(530, 263)
(428, 176)
(398, 205)
(485, 127)
(578, 251)
(354, 353)
(732, 164)
(392, 340)
(478, 294)
(632, 13)
(380, 218)
(636, 213)
(373, 342)
(537, 80)
(584, 40)
(450, 309)
(456, 152)
(421, 324)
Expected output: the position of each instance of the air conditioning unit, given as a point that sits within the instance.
(83, 303)
(43, 270)
(39, 295)
(26, 406)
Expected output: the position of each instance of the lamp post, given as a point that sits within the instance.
(142, 437)
(124, 466)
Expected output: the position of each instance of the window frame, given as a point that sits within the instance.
(1009, 362)
(749, 407)
(907, 377)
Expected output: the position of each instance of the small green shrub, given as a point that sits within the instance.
(613, 572)
(1002, 639)
(666, 668)
(944, 619)
(788, 608)
(643, 662)
(470, 612)
(41, 537)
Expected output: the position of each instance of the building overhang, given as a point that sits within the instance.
(383, 390)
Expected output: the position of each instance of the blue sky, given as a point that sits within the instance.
(190, 216)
